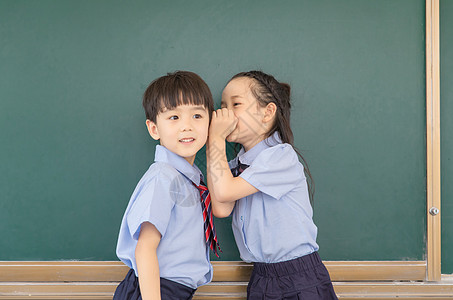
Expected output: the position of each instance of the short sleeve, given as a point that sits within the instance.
(275, 171)
(153, 203)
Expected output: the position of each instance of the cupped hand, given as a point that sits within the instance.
(223, 122)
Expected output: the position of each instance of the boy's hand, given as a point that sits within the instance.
(223, 123)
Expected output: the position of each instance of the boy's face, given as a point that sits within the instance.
(182, 130)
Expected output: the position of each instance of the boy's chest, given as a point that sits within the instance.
(188, 208)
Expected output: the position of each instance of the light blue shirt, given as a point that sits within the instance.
(166, 197)
(274, 224)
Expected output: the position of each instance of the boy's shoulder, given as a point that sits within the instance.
(160, 172)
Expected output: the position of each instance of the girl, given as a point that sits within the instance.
(266, 190)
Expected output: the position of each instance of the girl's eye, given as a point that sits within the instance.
(174, 118)
(236, 104)
(197, 116)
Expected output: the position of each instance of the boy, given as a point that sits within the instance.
(162, 237)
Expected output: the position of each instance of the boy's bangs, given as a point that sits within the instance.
(182, 97)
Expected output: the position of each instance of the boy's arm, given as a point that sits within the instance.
(224, 188)
(147, 264)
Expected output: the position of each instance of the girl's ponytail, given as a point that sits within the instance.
(286, 88)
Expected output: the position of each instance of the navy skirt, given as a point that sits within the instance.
(129, 289)
(305, 277)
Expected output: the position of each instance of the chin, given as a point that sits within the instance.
(232, 138)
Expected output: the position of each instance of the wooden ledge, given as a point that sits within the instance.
(231, 290)
(352, 280)
(54, 271)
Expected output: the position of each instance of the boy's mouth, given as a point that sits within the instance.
(187, 140)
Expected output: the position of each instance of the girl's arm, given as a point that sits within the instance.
(224, 188)
(147, 264)
(219, 209)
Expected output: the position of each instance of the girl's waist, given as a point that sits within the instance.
(288, 267)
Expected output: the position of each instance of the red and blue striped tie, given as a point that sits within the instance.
(209, 228)
(236, 171)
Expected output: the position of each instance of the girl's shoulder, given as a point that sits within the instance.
(279, 157)
(275, 171)
(278, 152)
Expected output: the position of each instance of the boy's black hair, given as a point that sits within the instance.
(174, 89)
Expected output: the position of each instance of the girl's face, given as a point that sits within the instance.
(251, 128)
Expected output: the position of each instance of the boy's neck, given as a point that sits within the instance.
(190, 160)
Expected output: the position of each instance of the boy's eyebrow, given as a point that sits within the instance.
(199, 108)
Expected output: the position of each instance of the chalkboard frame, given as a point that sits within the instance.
(433, 164)
(432, 264)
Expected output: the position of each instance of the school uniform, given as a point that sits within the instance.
(167, 198)
(273, 227)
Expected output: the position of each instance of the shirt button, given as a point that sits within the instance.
(242, 218)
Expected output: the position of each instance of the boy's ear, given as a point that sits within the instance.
(152, 129)
(269, 112)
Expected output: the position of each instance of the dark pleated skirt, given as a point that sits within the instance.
(305, 277)
(129, 289)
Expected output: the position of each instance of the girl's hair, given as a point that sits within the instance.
(267, 89)
(174, 89)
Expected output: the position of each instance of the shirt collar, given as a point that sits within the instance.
(179, 163)
(249, 156)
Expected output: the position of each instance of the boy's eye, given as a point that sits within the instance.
(197, 116)
(236, 104)
(174, 118)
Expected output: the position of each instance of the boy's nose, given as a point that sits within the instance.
(186, 125)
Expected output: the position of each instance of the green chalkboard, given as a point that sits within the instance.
(446, 97)
(73, 136)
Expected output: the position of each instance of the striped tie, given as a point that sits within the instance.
(209, 229)
(236, 171)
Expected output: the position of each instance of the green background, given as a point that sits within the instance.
(74, 142)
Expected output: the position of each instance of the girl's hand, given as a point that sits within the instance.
(223, 123)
